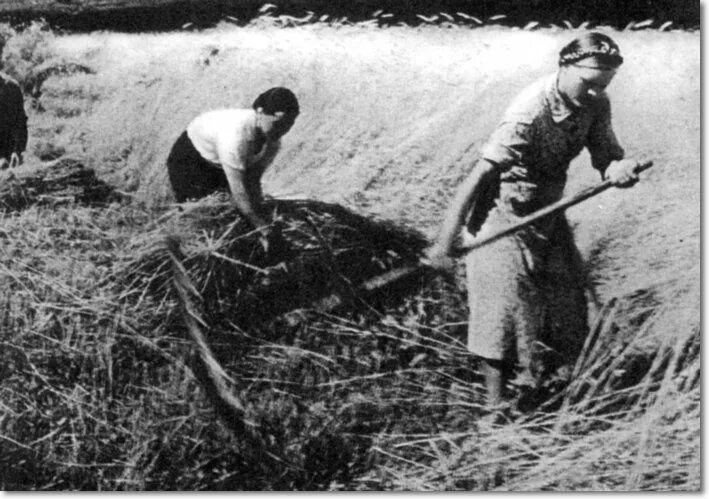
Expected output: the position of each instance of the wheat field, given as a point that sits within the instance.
(97, 392)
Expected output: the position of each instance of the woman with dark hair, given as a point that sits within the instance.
(526, 291)
(231, 148)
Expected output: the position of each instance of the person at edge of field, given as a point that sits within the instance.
(526, 291)
(13, 123)
(230, 149)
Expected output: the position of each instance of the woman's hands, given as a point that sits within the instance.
(623, 173)
(437, 257)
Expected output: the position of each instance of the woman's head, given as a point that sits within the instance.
(276, 110)
(277, 99)
(586, 67)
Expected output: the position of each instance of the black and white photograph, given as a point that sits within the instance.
(336, 245)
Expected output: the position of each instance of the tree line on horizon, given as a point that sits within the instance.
(152, 15)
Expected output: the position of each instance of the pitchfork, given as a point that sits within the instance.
(388, 278)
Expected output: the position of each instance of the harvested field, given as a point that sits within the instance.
(246, 299)
(101, 387)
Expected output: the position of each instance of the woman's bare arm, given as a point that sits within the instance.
(483, 172)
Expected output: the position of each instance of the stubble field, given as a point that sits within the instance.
(96, 388)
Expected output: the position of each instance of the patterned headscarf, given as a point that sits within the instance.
(591, 44)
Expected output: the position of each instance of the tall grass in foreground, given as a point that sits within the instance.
(97, 387)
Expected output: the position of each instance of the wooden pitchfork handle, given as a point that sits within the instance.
(394, 275)
(560, 205)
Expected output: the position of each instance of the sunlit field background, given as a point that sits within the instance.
(96, 392)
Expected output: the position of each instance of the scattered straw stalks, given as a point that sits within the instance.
(96, 380)
(100, 388)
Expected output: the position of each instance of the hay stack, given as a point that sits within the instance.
(65, 181)
(329, 250)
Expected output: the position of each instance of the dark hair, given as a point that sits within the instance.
(593, 44)
(277, 99)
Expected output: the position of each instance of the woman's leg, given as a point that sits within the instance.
(505, 314)
(495, 378)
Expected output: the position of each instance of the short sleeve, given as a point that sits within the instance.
(508, 145)
(602, 142)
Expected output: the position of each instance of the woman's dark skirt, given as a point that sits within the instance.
(191, 176)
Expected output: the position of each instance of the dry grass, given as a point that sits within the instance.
(96, 377)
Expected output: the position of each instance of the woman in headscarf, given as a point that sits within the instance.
(526, 291)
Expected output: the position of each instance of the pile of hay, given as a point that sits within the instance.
(288, 373)
(328, 251)
(64, 181)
